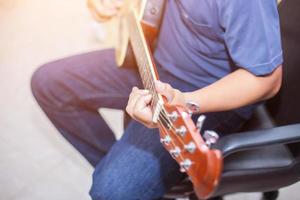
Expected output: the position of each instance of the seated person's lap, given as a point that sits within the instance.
(71, 90)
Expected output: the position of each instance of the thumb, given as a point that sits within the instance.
(165, 89)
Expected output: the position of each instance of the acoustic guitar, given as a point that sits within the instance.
(139, 26)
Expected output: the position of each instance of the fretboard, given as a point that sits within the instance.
(144, 61)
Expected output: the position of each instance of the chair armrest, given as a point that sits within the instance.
(257, 139)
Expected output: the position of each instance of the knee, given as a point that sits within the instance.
(98, 193)
(107, 186)
(101, 190)
(45, 83)
(103, 193)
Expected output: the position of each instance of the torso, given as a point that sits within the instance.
(191, 43)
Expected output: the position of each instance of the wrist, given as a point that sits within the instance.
(190, 97)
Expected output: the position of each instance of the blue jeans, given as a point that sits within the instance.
(71, 90)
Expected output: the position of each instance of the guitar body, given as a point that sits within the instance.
(150, 14)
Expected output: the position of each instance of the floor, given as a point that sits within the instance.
(36, 163)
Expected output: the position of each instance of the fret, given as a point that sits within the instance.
(141, 52)
(178, 134)
(145, 65)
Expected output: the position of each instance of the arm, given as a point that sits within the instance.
(235, 90)
(238, 89)
(252, 38)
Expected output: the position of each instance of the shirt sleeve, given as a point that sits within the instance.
(252, 34)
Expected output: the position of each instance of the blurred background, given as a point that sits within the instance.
(36, 163)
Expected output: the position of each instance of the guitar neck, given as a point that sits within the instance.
(178, 133)
(144, 61)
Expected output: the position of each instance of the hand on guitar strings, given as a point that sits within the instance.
(139, 103)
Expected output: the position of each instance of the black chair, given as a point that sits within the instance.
(266, 157)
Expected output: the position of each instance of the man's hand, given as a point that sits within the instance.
(104, 10)
(174, 96)
(139, 108)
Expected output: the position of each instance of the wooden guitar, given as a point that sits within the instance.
(139, 25)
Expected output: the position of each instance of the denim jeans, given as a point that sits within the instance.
(71, 90)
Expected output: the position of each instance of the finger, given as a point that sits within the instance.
(119, 3)
(136, 90)
(106, 12)
(165, 90)
(141, 110)
(102, 10)
(145, 100)
(108, 3)
(133, 91)
(131, 102)
(113, 4)
(133, 98)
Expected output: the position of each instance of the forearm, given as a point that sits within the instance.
(236, 90)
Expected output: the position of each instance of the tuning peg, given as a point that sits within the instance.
(166, 140)
(211, 137)
(185, 165)
(190, 147)
(200, 121)
(181, 131)
(153, 10)
(192, 107)
(175, 152)
(173, 116)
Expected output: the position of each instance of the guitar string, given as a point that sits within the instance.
(149, 84)
(146, 74)
(162, 115)
(142, 71)
(171, 126)
(162, 118)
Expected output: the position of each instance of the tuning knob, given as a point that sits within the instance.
(211, 137)
(166, 140)
(175, 152)
(173, 116)
(200, 121)
(191, 147)
(181, 131)
(185, 165)
(192, 107)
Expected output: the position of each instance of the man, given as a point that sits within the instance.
(224, 55)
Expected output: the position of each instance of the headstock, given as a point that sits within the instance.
(183, 140)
